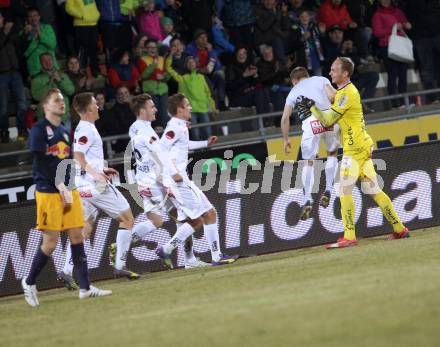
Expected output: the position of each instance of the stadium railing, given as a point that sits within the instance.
(260, 132)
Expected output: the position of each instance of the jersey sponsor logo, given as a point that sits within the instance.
(86, 194)
(83, 140)
(318, 128)
(145, 193)
(342, 101)
(170, 135)
(152, 139)
(61, 150)
(49, 132)
(350, 136)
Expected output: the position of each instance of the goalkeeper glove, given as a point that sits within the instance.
(303, 105)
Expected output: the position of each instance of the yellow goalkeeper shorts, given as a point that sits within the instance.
(358, 164)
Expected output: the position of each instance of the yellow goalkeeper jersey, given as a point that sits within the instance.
(348, 104)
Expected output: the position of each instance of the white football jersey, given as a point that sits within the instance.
(88, 141)
(313, 88)
(175, 139)
(137, 126)
(151, 160)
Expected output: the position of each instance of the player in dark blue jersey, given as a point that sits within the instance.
(58, 208)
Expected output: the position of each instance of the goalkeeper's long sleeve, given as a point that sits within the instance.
(327, 118)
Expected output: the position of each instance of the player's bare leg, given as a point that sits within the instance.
(331, 167)
(308, 179)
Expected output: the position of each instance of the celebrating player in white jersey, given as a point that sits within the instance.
(319, 90)
(96, 190)
(192, 204)
(151, 164)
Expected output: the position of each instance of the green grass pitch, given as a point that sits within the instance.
(380, 293)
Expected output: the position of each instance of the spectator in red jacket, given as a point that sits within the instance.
(123, 73)
(383, 21)
(333, 12)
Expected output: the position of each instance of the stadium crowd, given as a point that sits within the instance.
(220, 54)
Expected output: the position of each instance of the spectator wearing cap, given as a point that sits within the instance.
(85, 22)
(10, 80)
(173, 10)
(115, 27)
(50, 77)
(78, 76)
(193, 85)
(37, 38)
(337, 46)
(208, 63)
(239, 19)
(335, 12)
(154, 80)
(385, 17)
(148, 21)
(168, 32)
(122, 72)
(243, 84)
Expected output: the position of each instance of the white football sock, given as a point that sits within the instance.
(123, 241)
(211, 234)
(187, 246)
(183, 232)
(308, 179)
(68, 263)
(330, 172)
(142, 229)
(188, 249)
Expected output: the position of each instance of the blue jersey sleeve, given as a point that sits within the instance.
(37, 139)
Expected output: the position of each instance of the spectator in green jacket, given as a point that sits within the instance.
(37, 38)
(85, 23)
(194, 86)
(49, 78)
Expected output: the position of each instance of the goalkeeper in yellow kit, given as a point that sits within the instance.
(358, 146)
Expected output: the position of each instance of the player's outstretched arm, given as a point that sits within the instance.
(327, 117)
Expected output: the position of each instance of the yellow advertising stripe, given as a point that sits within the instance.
(394, 133)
